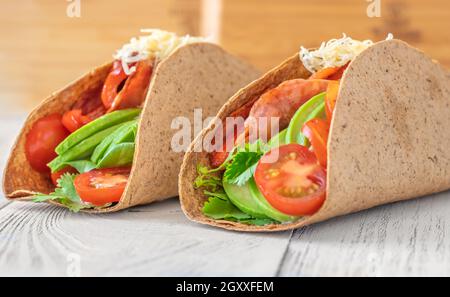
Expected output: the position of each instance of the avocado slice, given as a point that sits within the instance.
(118, 155)
(125, 134)
(313, 108)
(265, 206)
(240, 196)
(102, 123)
(83, 150)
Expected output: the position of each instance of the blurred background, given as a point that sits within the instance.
(42, 48)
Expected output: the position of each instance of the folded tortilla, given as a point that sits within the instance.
(389, 138)
(196, 75)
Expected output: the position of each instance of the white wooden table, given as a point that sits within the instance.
(403, 239)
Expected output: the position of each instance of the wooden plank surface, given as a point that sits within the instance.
(154, 240)
(403, 239)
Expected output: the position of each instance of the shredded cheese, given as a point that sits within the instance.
(334, 53)
(157, 43)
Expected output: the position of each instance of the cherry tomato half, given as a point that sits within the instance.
(102, 186)
(44, 136)
(291, 180)
(316, 130)
(56, 175)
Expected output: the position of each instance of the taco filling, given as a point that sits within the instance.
(87, 151)
(274, 174)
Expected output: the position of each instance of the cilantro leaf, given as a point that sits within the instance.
(239, 168)
(207, 179)
(65, 194)
(243, 165)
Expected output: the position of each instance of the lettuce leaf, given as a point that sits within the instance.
(243, 164)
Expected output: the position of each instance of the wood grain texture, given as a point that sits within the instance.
(401, 239)
(42, 49)
(266, 32)
(146, 241)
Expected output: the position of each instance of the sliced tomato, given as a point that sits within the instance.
(102, 186)
(316, 130)
(113, 84)
(330, 98)
(74, 119)
(56, 175)
(291, 180)
(41, 141)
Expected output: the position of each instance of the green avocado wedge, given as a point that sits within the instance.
(104, 122)
(241, 197)
(266, 207)
(125, 134)
(118, 155)
(83, 150)
(313, 108)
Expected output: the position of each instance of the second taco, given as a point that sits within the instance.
(358, 124)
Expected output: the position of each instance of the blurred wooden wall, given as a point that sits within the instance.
(42, 49)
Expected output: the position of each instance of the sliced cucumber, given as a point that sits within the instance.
(313, 108)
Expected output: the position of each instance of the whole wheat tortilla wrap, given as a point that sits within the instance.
(195, 75)
(389, 138)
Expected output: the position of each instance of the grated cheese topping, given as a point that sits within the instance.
(334, 53)
(157, 43)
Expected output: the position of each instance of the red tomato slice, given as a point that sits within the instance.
(102, 186)
(294, 183)
(74, 119)
(330, 98)
(316, 130)
(41, 141)
(56, 175)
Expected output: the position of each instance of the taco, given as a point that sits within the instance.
(102, 143)
(357, 124)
